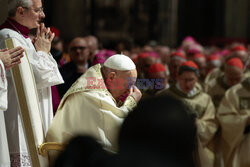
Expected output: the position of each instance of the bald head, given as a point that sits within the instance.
(92, 43)
(147, 62)
(164, 53)
(233, 75)
(78, 51)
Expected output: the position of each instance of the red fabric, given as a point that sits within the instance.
(225, 52)
(157, 67)
(190, 64)
(239, 48)
(189, 39)
(193, 51)
(12, 24)
(198, 55)
(55, 30)
(178, 54)
(135, 59)
(213, 58)
(153, 54)
(143, 55)
(236, 62)
(55, 98)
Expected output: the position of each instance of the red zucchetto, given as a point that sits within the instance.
(213, 58)
(157, 67)
(178, 55)
(238, 48)
(199, 55)
(189, 66)
(236, 62)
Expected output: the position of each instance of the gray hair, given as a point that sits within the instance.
(14, 4)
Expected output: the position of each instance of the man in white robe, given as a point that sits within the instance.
(23, 16)
(8, 58)
(92, 106)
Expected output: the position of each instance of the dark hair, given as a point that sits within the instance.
(161, 125)
(82, 151)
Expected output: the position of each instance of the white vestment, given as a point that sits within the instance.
(4, 150)
(46, 74)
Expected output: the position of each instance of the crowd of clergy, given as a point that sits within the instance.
(213, 81)
(191, 101)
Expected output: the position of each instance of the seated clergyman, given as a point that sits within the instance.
(92, 106)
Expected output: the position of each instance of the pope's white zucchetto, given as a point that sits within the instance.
(120, 62)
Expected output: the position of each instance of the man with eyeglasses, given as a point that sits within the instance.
(190, 93)
(79, 54)
(24, 15)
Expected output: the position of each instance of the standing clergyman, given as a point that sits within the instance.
(24, 15)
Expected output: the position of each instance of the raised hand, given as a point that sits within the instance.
(43, 38)
(135, 93)
(11, 57)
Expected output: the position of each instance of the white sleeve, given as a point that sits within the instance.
(3, 88)
(45, 69)
(44, 66)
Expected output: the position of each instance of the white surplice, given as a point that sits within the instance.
(4, 150)
(46, 74)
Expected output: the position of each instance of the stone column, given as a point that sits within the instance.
(168, 15)
(236, 18)
(70, 17)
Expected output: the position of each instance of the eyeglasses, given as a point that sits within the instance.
(78, 47)
(38, 10)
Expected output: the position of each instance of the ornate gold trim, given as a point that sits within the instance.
(45, 147)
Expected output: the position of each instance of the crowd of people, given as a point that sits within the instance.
(148, 105)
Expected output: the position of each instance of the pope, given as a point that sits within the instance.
(96, 109)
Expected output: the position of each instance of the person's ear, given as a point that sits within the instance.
(112, 76)
(20, 11)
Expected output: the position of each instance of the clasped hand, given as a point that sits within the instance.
(11, 57)
(43, 39)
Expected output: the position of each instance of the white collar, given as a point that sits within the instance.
(189, 94)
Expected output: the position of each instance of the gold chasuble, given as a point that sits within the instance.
(88, 108)
(202, 106)
(216, 88)
(232, 115)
